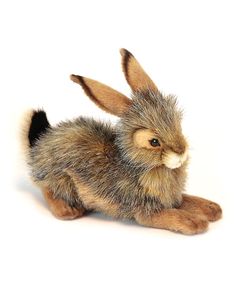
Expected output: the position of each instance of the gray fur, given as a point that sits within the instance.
(103, 157)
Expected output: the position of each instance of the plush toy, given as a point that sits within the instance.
(134, 170)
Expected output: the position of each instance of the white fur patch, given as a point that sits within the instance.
(24, 131)
(173, 160)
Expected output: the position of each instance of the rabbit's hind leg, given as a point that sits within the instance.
(62, 196)
(61, 208)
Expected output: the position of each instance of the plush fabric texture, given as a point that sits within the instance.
(84, 164)
(104, 158)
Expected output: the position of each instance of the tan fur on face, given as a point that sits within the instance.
(104, 96)
(136, 77)
(171, 160)
(142, 137)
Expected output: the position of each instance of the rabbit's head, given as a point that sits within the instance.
(149, 131)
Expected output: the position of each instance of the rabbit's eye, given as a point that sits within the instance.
(154, 142)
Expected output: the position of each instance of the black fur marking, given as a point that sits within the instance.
(126, 59)
(87, 89)
(90, 94)
(39, 125)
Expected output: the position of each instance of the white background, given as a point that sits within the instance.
(188, 48)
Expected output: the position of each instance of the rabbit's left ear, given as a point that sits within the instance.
(107, 98)
(136, 77)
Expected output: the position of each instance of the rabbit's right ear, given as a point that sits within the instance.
(135, 75)
(104, 96)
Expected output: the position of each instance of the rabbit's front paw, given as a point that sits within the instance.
(191, 224)
(198, 205)
(212, 210)
(177, 220)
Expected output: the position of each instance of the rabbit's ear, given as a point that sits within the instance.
(104, 96)
(136, 77)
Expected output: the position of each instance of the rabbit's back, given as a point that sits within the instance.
(72, 145)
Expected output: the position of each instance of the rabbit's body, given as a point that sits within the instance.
(135, 169)
(81, 163)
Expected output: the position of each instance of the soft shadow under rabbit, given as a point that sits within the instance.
(135, 169)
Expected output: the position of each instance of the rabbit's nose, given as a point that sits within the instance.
(180, 148)
(174, 160)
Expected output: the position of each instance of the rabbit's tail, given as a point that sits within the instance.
(35, 123)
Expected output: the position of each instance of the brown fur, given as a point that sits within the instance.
(199, 206)
(88, 165)
(104, 95)
(155, 183)
(136, 77)
(60, 208)
(177, 220)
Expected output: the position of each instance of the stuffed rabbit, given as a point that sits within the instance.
(134, 170)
